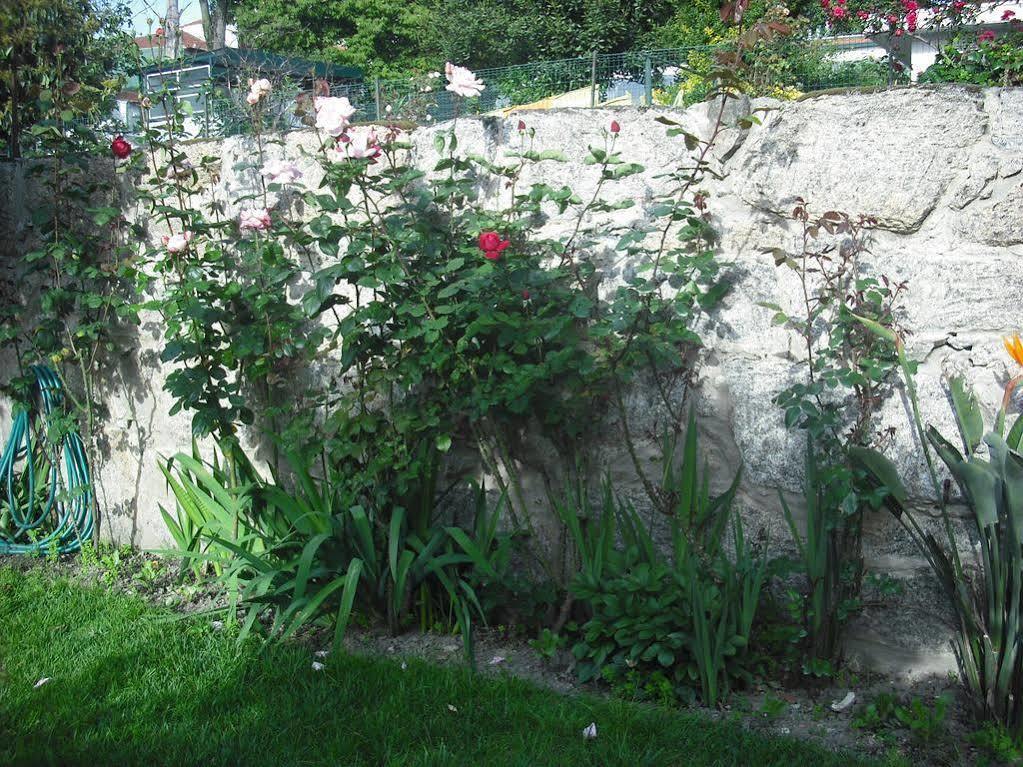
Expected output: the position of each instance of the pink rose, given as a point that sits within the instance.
(281, 172)
(986, 36)
(254, 220)
(177, 243)
(257, 90)
(615, 127)
(360, 145)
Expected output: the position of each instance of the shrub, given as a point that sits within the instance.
(848, 372)
(997, 61)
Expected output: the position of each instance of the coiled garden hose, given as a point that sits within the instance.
(66, 516)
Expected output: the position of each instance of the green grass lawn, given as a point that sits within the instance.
(131, 687)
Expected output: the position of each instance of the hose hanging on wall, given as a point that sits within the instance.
(62, 517)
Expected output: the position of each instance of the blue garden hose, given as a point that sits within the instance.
(67, 514)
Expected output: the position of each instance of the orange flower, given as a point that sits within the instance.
(1014, 345)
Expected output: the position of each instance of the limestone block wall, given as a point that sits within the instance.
(940, 169)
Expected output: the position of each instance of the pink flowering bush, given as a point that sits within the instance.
(897, 18)
(987, 58)
(442, 325)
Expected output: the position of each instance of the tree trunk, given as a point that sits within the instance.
(220, 25)
(172, 29)
(214, 24)
(207, 24)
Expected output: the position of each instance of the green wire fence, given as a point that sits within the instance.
(670, 76)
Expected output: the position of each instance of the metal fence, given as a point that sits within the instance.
(675, 76)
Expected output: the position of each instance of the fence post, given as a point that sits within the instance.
(593, 79)
(376, 95)
(648, 80)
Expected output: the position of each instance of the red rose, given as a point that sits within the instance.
(120, 148)
(1008, 15)
(492, 245)
(615, 127)
(522, 125)
(525, 295)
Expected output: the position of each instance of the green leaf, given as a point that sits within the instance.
(968, 414)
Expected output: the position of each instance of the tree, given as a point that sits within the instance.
(383, 37)
(485, 33)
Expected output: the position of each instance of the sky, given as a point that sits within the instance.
(142, 10)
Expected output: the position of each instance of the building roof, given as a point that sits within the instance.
(189, 42)
(235, 59)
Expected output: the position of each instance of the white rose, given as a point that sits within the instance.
(333, 114)
(462, 82)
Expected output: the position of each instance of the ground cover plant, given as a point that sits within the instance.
(129, 685)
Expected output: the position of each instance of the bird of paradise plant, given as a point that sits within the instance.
(987, 600)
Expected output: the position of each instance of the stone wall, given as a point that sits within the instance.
(940, 169)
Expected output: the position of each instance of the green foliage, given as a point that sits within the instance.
(880, 712)
(849, 369)
(773, 707)
(489, 33)
(989, 473)
(67, 300)
(998, 62)
(688, 616)
(382, 37)
(447, 326)
(57, 58)
(232, 333)
(308, 554)
(547, 644)
(996, 745)
(926, 723)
